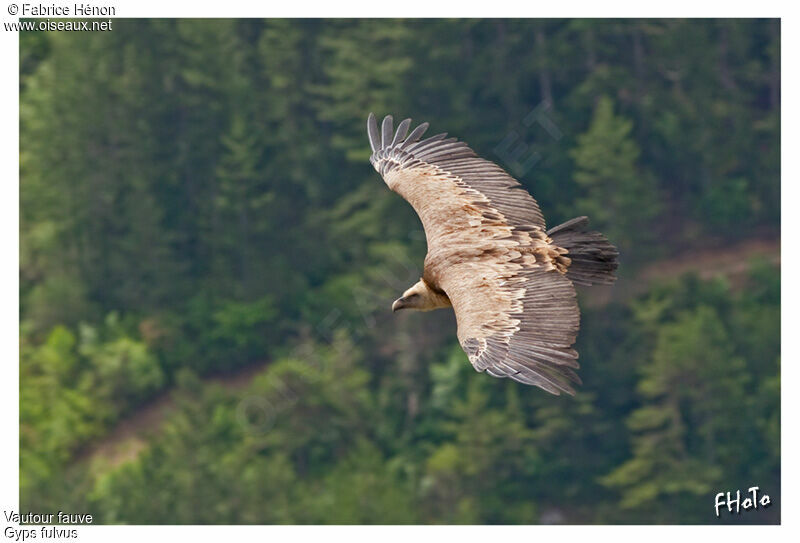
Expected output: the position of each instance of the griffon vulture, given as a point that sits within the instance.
(490, 258)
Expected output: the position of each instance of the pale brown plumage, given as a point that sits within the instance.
(509, 281)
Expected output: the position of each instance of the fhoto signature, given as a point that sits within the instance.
(735, 505)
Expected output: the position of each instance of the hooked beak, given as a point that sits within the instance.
(398, 304)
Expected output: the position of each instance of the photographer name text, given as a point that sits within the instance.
(66, 10)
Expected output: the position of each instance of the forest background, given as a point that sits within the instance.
(207, 262)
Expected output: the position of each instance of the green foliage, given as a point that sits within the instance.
(689, 388)
(621, 199)
(73, 386)
(700, 408)
(124, 368)
(241, 327)
(288, 451)
(489, 456)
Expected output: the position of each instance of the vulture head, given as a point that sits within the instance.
(422, 298)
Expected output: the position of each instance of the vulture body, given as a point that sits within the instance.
(490, 257)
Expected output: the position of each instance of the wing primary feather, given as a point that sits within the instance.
(415, 135)
(402, 130)
(387, 130)
(372, 132)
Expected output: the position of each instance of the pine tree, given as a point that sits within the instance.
(619, 196)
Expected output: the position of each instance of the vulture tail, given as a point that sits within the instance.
(594, 259)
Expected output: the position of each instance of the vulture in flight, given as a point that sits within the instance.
(490, 257)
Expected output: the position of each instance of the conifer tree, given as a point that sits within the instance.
(619, 196)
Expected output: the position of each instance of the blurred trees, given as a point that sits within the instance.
(620, 198)
(196, 196)
(700, 421)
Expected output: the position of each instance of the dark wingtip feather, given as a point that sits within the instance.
(415, 135)
(372, 132)
(402, 130)
(387, 130)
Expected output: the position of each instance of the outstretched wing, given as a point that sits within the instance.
(488, 250)
(516, 319)
(450, 171)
